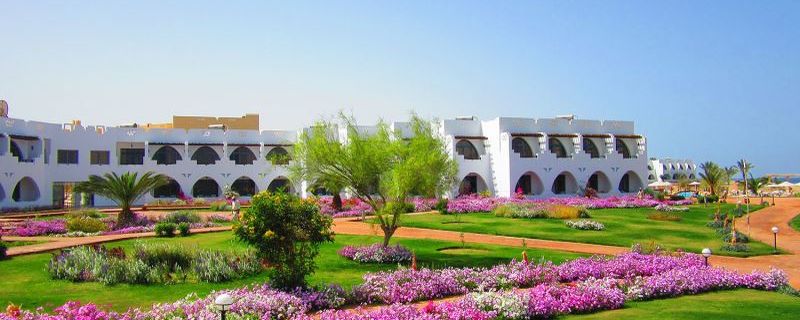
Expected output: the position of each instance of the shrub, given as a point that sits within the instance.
(740, 237)
(171, 256)
(86, 224)
(567, 212)
(88, 213)
(585, 225)
(217, 266)
(181, 217)
(286, 231)
(664, 216)
(3, 249)
(218, 218)
(376, 253)
(165, 229)
(707, 199)
(179, 202)
(520, 210)
(404, 207)
(737, 247)
(648, 248)
(676, 197)
(441, 206)
(183, 229)
(199, 202)
(219, 206)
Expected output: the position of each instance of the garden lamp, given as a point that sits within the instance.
(223, 301)
(775, 239)
(706, 253)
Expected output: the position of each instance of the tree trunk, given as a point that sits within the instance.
(337, 201)
(388, 232)
(124, 218)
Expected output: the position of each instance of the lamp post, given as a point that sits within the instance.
(775, 239)
(223, 301)
(706, 253)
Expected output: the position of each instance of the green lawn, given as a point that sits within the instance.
(738, 304)
(20, 243)
(624, 227)
(26, 282)
(795, 223)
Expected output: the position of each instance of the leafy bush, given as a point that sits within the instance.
(707, 199)
(165, 229)
(441, 206)
(179, 202)
(220, 206)
(648, 248)
(217, 266)
(88, 213)
(3, 249)
(184, 229)
(86, 224)
(218, 218)
(399, 207)
(585, 225)
(376, 253)
(740, 237)
(199, 202)
(287, 232)
(171, 256)
(567, 212)
(520, 210)
(664, 216)
(182, 216)
(737, 247)
(676, 197)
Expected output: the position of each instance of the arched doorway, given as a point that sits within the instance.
(280, 183)
(205, 188)
(467, 149)
(2, 193)
(529, 184)
(471, 184)
(167, 155)
(599, 181)
(557, 148)
(170, 190)
(521, 147)
(278, 156)
(591, 148)
(26, 190)
(205, 156)
(243, 156)
(622, 148)
(630, 182)
(244, 186)
(565, 183)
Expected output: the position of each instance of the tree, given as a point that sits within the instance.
(744, 168)
(712, 176)
(123, 189)
(382, 168)
(755, 184)
(727, 178)
(286, 232)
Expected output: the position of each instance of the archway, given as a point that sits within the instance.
(472, 183)
(244, 186)
(2, 193)
(557, 147)
(529, 184)
(600, 182)
(565, 183)
(280, 183)
(243, 155)
(205, 188)
(26, 190)
(167, 155)
(170, 190)
(622, 148)
(278, 156)
(591, 148)
(630, 182)
(467, 149)
(16, 151)
(521, 147)
(205, 155)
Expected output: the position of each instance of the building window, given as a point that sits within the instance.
(622, 148)
(242, 156)
(99, 157)
(467, 149)
(128, 156)
(205, 156)
(590, 148)
(557, 147)
(278, 156)
(522, 147)
(167, 155)
(68, 156)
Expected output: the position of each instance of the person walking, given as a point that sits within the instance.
(235, 207)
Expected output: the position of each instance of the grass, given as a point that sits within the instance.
(795, 223)
(26, 282)
(624, 227)
(20, 243)
(737, 304)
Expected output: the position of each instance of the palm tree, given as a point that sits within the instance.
(712, 176)
(728, 172)
(755, 184)
(123, 189)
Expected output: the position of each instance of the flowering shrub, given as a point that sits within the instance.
(476, 203)
(668, 208)
(376, 253)
(32, 228)
(352, 207)
(585, 225)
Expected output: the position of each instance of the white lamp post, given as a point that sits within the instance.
(223, 301)
(706, 253)
(775, 239)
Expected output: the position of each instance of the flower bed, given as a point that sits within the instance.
(476, 203)
(376, 253)
(668, 208)
(585, 225)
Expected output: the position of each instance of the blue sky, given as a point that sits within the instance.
(716, 80)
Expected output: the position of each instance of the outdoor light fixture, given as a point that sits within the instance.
(775, 239)
(223, 301)
(706, 253)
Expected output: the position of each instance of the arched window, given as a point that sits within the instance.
(26, 190)
(472, 183)
(243, 155)
(205, 188)
(278, 156)
(170, 190)
(630, 182)
(244, 186)
(280, 184)
(467, 149)
(622, 148)
(520, 146)
(590, 148)
(565, 184)
(16, 151)
(167, 155)
(557, 148)
(205, 155)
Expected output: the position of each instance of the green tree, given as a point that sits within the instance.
(712, 177)
(727, 178)
(755, 184)
(123, 189)
(287, 232)
(383, 167)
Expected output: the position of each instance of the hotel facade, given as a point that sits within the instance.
(42, 162)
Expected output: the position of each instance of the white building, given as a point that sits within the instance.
(670, 170)
(41, 162)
